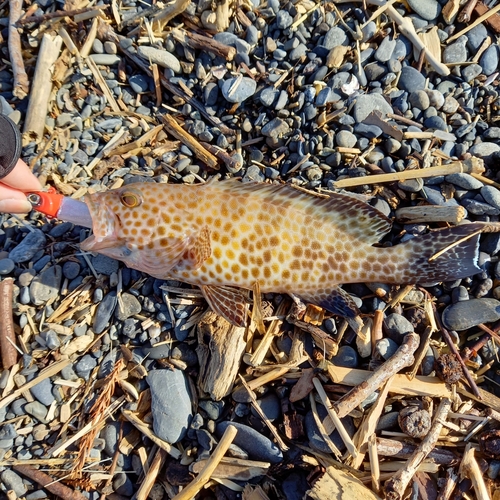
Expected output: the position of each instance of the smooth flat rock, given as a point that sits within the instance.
(46, 285)
(367, 103)
(238, 89)
(426, 9)
(161, 57)
(170, 404)
(31, 244)
(468, 313)
(255, 444)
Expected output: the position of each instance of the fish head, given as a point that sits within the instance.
(122, 221)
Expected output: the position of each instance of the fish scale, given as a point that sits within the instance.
(227, 236)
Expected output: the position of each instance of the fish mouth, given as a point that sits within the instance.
(104, 226)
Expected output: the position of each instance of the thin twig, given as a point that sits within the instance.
(47, 482)
(58, 13)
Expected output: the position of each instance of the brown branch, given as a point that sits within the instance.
(7, 334)
(396, 486)
(402, 357)
(205, 43)
(465, 15)
(57, 14)
(21, 83)
(47, 482)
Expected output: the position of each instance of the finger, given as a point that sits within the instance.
(13, 201)
(22, 178)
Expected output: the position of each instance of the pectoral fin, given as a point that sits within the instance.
(230, 303)
(338, 301)
(197, 251)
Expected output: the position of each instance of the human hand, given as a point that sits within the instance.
(13, 186)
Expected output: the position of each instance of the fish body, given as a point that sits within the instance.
(227, 236)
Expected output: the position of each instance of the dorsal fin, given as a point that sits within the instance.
(362, 219)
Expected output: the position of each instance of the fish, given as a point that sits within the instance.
(227, 236)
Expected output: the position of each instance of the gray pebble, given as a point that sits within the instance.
(122, 485)
(275, 128)
(104, 264)
(46, 285)
(106, 59)
(43, 392)
(471, 71)
(385, 49)
(6, 266)
(366, 103)
(85, 365)
(397, 326)
(476, 36)
(52, 340)
(467, 314)
(36, 410)
(491, 196)
(346, 356)
(426, 9)
(31, 244)
(270, 405)
(254, 443)
(411, 80)
(345, 139)
(334, 37)
(161, 57)
(71, 269)
(485, 150)
(465, 181)
(385, 348)
(419, 99)
(139, 83)
(238, 89)
(170, 404)
(489, 60)
(13, 481)
(456, 52)
(128, 306)
(283, 19)
(450, 105)
(104, 312)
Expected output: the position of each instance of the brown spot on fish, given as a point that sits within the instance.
(255, 272)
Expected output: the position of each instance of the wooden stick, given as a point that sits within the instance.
(169, 12)
(47, 482)
(466, 13)
(430, 213)
(479, 20)
(103, 85)
(473, 165)
(335, 418)
(45, 373)
(401, 358)
(142, 427)
(152, 475)
(404, 449)
(396, 486)
(34, 124)
(205, 43)
(7, 334)
(203, 477)
(21, 83)
(258, 409)
(179, 133)
(57, 14)
(493, 22)
(230, 161)
(374, 463)
(470, 468)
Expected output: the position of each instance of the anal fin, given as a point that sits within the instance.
(229, 302)
(338, 301)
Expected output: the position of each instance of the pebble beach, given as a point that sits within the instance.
(120, 385)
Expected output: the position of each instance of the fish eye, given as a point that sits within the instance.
(130, 200)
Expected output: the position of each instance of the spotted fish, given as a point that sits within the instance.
(227, 236)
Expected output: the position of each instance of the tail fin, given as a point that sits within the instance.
(445, 255)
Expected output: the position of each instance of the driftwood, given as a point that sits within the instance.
(7, 334)
(220, 349)
(337, 484)
(473, 165)
(205, 43)
(430, 213)
(34, 124)
(402, 357)
(21, 83)
(179, 133)
(234, 468)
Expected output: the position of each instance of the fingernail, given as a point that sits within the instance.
(15, 206)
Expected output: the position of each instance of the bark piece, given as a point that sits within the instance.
(220, 349)
(21, 83)
(37, 108)
(7, 334)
